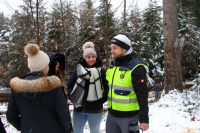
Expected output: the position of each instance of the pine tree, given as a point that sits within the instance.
(134, 25)
(62, 33)
(150, 40)
(191, 6)
(87, 22)
(191, 33)
(34, 11)
(2, 21)
(23, 29)
(5, 29)
(106, 26)
(24, 26)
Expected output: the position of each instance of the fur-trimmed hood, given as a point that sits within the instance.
(42, 84)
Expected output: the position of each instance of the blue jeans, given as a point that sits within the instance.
(80, 118)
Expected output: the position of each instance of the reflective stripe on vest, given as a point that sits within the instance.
(123, 101)
(120, 80)
(116, 87)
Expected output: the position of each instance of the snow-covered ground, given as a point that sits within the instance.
(173, 113)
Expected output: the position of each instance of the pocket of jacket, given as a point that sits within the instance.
(122, 92)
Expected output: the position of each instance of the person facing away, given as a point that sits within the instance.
(88, 88)
(37, 103)
(128, 94)
(57, 67)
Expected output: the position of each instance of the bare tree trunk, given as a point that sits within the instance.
(106, 34)
(37, 21)
(177, 63)
(63, 23)
(124, 23)
(173, 76)
(31, 7)
(30, 3)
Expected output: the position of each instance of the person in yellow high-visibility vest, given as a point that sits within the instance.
(128, 94)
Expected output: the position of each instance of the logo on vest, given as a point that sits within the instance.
(122, 76)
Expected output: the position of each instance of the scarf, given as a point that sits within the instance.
(95, 90)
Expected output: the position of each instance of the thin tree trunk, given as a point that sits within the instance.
(124, 24)
(31, 7)
(63, 23)
(37, 21)
(106, 30)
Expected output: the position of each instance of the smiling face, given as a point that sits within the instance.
(117, 51)
(90, 60)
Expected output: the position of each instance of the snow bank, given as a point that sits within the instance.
(175, 112)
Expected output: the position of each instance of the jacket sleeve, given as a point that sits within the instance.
(105, 86)
(62, 111)
(13, 114)
(71, 82)
(140, 86)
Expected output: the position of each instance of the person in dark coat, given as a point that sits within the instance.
(88, 105)
(37, 103)
(57, 67)
(128, 94)
(2, 129)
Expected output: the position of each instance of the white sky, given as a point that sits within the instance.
(9, 6)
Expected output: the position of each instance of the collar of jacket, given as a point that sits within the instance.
(35, 82)
(84, 64)
(124, 60)
(33, 75)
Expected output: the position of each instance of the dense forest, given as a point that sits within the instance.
(67, 27)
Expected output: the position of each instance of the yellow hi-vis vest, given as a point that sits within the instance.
(121, 95)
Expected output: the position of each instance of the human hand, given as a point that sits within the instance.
(144, 126)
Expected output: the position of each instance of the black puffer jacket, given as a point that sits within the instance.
(89, 107)
(140, 87)
(38, 105)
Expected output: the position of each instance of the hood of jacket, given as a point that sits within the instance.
(34, 83)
